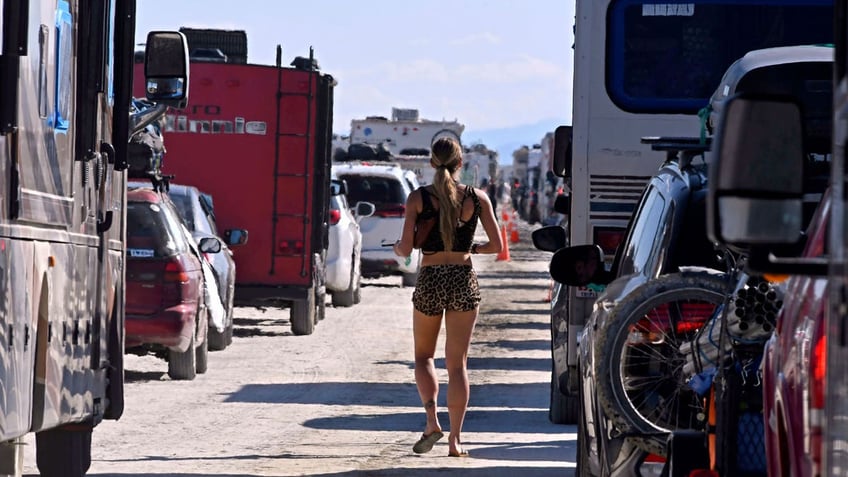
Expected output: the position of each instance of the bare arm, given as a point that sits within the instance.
(490, 225)
(414, 204)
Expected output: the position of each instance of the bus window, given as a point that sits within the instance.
(669, 57)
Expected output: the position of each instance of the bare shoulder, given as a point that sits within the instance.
(482, 195)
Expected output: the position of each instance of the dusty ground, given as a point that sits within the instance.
(342, 401)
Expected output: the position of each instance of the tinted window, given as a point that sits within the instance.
(151, 232)
(647, 237)
(669, 57)
(378, 190)
(183, 204)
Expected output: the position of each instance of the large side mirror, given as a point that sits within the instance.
(756, 174)
(562, 151)
(166, 68)
(579, 266)
(549, 238)
(562, 204)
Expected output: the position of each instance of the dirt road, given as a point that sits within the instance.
(342, 401)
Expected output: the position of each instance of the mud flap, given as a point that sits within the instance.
(63, 452)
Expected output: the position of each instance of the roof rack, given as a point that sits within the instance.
(681, 149)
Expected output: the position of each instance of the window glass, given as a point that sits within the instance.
(669, 57)
(646, 239)
(380, 191)
(64, 62)
(149, 234)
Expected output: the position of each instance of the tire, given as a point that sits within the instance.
(229, 332)
(303, 315)
(63, 453)
(582, 457)
(640, 384)
(563, 409)
(201, 358)
(347, 297)
(183, 366)
(357, 292)
(217, 340)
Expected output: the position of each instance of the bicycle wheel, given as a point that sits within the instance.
(640, 382)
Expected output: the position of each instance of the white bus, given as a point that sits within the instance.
(643, 69)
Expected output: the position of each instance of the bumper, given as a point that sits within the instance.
(172, 328)
(384, 261)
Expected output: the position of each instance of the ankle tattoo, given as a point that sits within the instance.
(430, 404)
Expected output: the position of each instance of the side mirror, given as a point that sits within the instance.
(166, 68)
(579, 266)
(236, 236)
(562, 204)
(364, 209)
(562, 151)
(549, 238)
(756, 175)
(209, 245)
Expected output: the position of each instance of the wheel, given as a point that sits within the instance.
(582, 457)
(347, 297)
(640, 382)
(182, 366)
(563, 409)
(303, 315)
(357, 292)
(63, 453)
(201, 358)
(217, 340)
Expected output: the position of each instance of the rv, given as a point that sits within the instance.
(65, 92)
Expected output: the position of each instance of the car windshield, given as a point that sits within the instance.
(150, 233)
(380, 191)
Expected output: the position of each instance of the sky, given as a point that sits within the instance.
(503, 68)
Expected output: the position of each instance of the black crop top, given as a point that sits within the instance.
(464, 234)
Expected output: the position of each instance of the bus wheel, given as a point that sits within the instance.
(63, 453)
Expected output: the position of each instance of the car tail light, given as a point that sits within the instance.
(396, 210)
(608, 239)
(703, 473)
(290, 247)
(174, 272)
(818, 372)
(657, 323)
(335, 216)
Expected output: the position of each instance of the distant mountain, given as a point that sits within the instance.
(507, 140)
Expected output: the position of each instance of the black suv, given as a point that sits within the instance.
(666, 233)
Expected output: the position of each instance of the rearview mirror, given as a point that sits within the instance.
(209, 245)
(236, 236)
(756, 175)
(562, 151)
(579, 266)
(166, 68)
(562, 204)
(549, 238)
(364, 209)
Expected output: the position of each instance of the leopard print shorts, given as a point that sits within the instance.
(446, 287)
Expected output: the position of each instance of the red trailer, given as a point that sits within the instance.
(258, 139)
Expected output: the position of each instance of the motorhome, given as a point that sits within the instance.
(65, 92)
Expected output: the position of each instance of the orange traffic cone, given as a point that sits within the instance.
(513, 237)
(503, 255)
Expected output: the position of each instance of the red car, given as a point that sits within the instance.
(794, 367)
(165, 305)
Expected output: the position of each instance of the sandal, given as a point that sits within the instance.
(426, 443)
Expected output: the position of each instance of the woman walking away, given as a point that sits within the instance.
(447, 286)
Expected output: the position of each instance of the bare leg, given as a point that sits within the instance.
(425, 330)
(459, 326)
